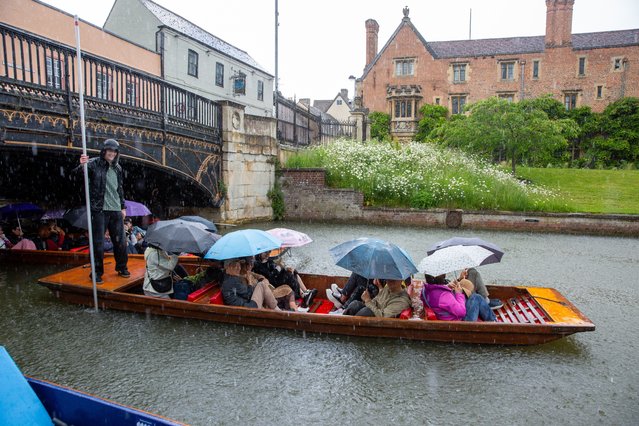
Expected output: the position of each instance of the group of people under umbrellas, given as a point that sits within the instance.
(380, 284)
(239, 260)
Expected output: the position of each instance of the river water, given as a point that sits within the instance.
(206, 373)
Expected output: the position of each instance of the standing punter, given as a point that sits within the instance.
(107, 206)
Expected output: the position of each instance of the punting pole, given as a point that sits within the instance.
(84, 152)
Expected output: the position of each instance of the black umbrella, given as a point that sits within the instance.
(210, 226)
(77, 217)
(177, 236)
(497, 252)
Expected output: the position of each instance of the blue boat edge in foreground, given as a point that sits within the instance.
(26, 400)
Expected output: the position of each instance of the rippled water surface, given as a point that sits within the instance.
(206, 373)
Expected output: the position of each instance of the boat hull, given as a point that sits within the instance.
(126, 299)
(73, 407)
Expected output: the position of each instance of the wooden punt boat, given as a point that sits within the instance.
(28, 401)
(530, 315)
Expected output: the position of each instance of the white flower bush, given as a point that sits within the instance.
(423, 175)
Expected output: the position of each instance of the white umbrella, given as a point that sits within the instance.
(454, 258)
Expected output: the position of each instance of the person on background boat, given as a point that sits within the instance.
(474, 277)
(352, 291)
(447, 301)
(131, 239)
(390, 301)
(16, 235)
(236, 292)
(160, 267)
(107, 206)
(4, 240)
(283, 275)
(50, 237)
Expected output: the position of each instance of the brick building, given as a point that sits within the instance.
(592, 69)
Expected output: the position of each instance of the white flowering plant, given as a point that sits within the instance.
(423, 175)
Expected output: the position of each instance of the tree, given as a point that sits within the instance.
(433, 116)
(380, 125)
(519, 130)
(620, 123)
(546, 103)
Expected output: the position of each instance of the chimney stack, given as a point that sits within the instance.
(344, 93)
(372, 28)
(559, 23)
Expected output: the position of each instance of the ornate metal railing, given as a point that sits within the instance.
(43, 74)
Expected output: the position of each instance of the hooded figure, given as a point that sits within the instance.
(107, 206)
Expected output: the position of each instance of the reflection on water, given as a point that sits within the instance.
(207, 373)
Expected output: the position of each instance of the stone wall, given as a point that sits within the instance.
(249, 154)
(307, 199)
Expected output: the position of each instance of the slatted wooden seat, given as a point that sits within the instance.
(521, 310)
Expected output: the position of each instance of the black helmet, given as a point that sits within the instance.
(111, 144)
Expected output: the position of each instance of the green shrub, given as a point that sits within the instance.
(380, 125)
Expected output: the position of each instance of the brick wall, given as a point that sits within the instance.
(307, 200)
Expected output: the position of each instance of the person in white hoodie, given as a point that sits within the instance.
(158, 278)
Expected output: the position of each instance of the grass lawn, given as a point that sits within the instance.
(591, 191)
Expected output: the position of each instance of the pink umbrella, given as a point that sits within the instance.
(289, 237)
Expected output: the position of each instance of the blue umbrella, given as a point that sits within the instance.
(16, 210)
(246, 242)
(373, 258)
(496, 251)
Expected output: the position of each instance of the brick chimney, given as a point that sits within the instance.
(559, 23)
(372, 28)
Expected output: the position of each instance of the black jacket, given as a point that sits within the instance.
(236, 293)
(97, 168)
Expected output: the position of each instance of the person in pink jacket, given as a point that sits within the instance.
(446, 300)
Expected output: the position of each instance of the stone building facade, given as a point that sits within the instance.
(589, 69)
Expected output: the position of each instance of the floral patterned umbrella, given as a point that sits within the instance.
(289, 237)
(453, 258)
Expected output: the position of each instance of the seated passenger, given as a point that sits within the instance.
(476, 305)
(4, 241)
(447, 301)
(160, 267)
(236, 292)
(391, 300)
(284, 294)
(131, 239)
(50, 237)
(352, 291)
(279, 275)
(474, 277)
(15, 235)
(140, 235)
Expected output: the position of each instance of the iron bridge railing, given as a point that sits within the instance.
(38, 68)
